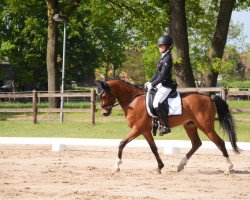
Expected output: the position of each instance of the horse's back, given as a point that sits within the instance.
(198, 102)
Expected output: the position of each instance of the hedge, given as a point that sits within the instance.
(235, 84)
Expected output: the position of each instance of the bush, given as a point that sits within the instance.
(236, 84)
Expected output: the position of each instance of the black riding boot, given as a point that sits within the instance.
(163, 120)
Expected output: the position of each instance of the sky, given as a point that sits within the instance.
(243, 17)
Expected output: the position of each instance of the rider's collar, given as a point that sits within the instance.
(163, 54)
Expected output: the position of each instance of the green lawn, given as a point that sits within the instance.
(77, 125)
(238, 104)
(102, 129)
(18, 105)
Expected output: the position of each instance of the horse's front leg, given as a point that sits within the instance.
(132, 135)
(148, 136)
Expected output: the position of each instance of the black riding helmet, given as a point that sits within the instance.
(165, 39)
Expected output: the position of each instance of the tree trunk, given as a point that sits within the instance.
(52, 70)
(219, 40)
(178, 32)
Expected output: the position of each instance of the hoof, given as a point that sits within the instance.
(157, 171)
(180, 168)
(227, 172)
(116, 170)
(230, 167)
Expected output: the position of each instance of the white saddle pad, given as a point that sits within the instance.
(175, 107)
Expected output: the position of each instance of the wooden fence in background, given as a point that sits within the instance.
(224, 93)
(36, 95)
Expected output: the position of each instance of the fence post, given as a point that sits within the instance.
(92, 107)
(223, 93)
(34, 106)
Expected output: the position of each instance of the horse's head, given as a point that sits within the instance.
(106, 98)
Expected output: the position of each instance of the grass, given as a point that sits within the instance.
(18, 105)
(81, 105)
(67, 129)
(113, 127)
(238, 104)
(106, 130)
(77, 125)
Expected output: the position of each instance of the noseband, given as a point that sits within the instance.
(109, 105)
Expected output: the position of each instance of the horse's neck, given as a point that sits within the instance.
(127, 93)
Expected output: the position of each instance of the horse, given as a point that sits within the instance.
(199, 112)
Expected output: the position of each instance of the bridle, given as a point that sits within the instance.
(109, 105)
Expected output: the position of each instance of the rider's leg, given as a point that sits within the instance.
(163, 120)
(160, 96)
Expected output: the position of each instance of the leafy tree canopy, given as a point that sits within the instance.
(103, 32)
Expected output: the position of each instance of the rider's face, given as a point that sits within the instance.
(163, 48)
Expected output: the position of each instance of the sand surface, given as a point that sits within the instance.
(30, 172)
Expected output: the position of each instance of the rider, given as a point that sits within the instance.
(162, 80)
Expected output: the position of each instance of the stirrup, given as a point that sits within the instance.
(164, 130)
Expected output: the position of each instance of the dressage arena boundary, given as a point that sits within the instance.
(60, 144)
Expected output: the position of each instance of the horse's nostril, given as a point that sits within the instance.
(106, 114)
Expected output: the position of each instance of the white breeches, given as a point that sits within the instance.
(161, 94)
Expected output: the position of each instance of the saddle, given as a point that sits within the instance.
(173, 102)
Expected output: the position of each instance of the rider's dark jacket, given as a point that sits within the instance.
(164, 71)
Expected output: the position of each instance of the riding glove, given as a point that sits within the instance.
(145, 85)
(149, 86)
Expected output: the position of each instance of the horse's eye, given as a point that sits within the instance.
(103, 96)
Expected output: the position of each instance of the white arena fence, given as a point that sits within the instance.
(59, 144)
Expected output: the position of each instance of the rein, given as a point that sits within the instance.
(134, 97)
(116, 104)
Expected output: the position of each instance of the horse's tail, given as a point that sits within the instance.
(226, 121)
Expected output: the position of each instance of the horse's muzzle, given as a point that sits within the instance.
(106, 112)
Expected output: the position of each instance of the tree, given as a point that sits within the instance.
(138, 17)
(178, 32)
(219, 40)
(110, 36)
(219, 37)
(150, 58)
(101, 32)
(133, 66)
(144, 22)
(237, 69)
(24, 35)
(51, 58)
(82, 53)
(22, 41)
(54, 8)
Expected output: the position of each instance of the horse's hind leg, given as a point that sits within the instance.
(154, 149)
(206, 125)
(215, 138)
(192, 133)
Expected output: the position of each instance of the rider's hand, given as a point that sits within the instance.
(145, 85)
(149, 86)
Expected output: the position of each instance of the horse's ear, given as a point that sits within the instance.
(105, 86)
(98, 83)
(99, 87)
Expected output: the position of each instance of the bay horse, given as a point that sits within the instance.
(199, 111)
